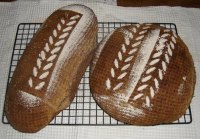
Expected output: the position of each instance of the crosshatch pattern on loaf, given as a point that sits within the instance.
(83, 110)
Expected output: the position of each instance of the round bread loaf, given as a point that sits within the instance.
(47, 76)
(143, 74)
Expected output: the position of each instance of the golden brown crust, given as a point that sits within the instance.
(47, 76)
(143, 75)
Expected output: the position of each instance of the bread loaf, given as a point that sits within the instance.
(143, 75)
(48, 74)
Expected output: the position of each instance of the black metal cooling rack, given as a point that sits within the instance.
(83, 110)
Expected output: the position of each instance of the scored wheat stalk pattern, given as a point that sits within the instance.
(127, 52)
(162, 49)
(50, 52)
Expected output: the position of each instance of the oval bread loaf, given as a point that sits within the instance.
(143, 75)
(48, 74)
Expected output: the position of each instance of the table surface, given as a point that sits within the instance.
(187, 21)
(183, 3)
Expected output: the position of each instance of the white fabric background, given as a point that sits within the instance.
(187, 21)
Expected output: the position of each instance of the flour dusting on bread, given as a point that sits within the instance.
(138, 67)
(162, 49)
(143, 80)
(119, 104)
(74, 40)
(182, 86)
(53, 49)
(29, 100)
(47, 76)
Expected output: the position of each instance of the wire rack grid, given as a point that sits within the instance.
(83, 110)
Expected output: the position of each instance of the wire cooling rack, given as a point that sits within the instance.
(83, 110)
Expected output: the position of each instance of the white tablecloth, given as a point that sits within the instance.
(188, 25)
